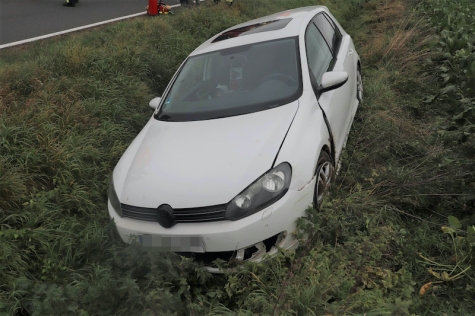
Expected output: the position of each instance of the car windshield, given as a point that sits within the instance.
(234, 81)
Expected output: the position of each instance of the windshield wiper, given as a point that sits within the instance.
(166, 118)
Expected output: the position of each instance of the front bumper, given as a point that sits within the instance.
(224, 236)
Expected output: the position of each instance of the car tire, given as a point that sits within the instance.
(324, 176)
(359, 85)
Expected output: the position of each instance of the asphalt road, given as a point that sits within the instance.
(25, 19)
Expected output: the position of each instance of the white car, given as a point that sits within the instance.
(245, 138)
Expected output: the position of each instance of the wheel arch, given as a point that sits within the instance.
(327, 149)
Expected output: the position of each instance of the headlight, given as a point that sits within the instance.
(261, 193)
(113, 198)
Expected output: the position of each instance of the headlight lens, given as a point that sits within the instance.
(274, 182)
(261, 193)
(113, 198)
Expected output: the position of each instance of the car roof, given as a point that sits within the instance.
(296, 18)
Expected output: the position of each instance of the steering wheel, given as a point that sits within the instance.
(278, 76)
(202, 94)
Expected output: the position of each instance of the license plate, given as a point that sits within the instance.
(172, 243)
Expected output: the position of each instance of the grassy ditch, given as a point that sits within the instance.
(70, 106)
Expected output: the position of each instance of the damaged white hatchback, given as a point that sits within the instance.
(245, 138)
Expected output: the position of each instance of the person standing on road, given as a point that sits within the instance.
(70, 3)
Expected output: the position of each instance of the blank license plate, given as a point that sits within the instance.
(172, 243)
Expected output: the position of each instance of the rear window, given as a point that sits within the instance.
(234, 81)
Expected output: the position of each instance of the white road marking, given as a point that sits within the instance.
(33, 39)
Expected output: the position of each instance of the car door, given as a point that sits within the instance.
(328, 50)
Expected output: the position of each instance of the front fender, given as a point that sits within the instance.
(304, 141)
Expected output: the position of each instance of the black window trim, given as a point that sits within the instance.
(334, 50)
(337, 32)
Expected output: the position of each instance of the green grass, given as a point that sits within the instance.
(70, 106)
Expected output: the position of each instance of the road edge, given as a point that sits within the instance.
(34, 39)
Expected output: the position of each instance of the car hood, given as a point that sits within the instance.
(200, 163)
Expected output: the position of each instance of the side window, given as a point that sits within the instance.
(319, 55)
(329, 31)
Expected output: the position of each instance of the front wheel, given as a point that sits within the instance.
(324, 176)
(359, 85)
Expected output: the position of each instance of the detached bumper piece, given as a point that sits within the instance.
(256, 252)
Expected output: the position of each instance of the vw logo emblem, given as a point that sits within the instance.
(165, 216)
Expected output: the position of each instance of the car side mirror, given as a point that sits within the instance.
(333, 80)
(155, 102)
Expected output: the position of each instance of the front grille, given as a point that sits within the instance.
(182, 215)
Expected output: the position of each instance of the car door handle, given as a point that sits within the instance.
(350, 52)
